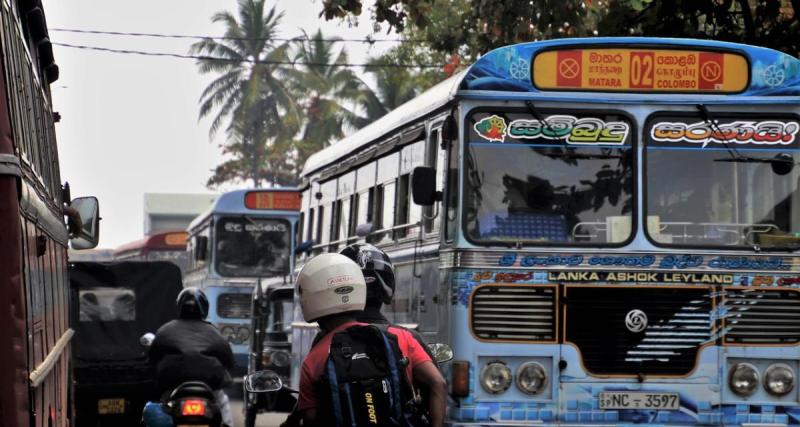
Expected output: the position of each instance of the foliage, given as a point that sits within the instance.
(249, 93)
(472, 27)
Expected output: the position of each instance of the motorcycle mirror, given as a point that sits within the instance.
(147, 339)
(263, 382)
(441, 352)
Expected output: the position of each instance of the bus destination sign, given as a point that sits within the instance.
(641, 70)
(272, 200)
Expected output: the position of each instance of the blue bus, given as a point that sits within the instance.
(605, 230)
(245, 236)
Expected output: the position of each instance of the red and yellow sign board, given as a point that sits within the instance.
(176, 239)
(273, 200)
(641, 70)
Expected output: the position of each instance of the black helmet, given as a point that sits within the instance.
(192, 304)
(377, 269)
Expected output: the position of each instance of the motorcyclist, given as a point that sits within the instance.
(191, 349)
(378, 271)
(320, 302)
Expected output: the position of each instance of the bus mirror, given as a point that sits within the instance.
(782, 164)
(304, 247)
(449, 129)
(423, 186)
(200, 248)
(88, 235)
(363, 230)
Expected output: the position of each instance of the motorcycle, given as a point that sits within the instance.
(192, 403)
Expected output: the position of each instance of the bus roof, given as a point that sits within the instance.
(773, 77)
(234, 203)
(165, 240)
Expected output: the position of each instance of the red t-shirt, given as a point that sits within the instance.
(314, 363)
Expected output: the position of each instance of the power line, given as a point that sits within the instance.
(245, 60)
(368, 39)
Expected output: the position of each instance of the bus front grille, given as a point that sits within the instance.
(638, 330)
(760, 316)
(233, 306)
(514, 313)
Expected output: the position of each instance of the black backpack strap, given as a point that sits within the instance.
(335, 397)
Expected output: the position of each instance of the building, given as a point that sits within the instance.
(168, 212)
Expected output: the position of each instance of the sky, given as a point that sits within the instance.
(129, 124)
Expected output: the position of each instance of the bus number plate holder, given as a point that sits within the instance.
(638, 400)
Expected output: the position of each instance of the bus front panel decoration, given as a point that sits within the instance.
(608, 231)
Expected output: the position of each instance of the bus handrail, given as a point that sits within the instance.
(38, 375)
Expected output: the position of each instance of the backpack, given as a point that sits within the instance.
(366, 380)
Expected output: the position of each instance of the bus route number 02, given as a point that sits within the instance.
(642, 70)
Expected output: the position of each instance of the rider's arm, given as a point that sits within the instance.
(427, 375)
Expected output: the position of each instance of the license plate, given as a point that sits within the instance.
(638, 400)
(110, 406)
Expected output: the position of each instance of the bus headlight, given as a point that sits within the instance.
(280, 358)
(228, 333)
(743, 379)
(531, 377)
(496, 377)
(242, 335)
(779, 379)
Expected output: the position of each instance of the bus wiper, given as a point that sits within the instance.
(788, 247)
(532, 109)
(706, 116)
(585, 156)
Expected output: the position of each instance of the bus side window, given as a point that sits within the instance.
(327, 203)
(408, 214)
(310, 225)
(320, 216)
(450, 210)
(364, 201)
(378, 214)
(388, 170)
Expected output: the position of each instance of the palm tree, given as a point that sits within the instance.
(249, 93)
(328, 91)
(393, 87)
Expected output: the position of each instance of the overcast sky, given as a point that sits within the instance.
(129, 123)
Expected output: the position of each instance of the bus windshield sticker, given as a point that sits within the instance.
(560, 128)
(740, 132)
(644, 70)
(492, 128)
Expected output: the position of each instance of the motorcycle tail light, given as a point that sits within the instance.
(460, 384)
(193, 408)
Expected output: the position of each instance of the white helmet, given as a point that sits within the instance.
(329, 284)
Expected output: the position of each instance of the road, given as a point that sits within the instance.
(263, 420)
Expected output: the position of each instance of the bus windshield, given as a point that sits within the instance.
(247, 246)
(563, 179)
(731, 184)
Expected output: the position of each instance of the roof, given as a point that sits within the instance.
(164, 240)
(507, 70)
(429, 101)
(232, 203)
(177, 203)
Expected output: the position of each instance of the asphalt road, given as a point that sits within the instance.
(263, 420)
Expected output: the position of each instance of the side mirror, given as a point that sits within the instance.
(782, 164)
(304, 247)
(200, 248)
(147, 339)
(441, 352)
(89, 235)
(423, 186)
(449, 129)
(363, 230)
(262, 382)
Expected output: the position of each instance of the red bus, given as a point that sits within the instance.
(163, 246)
(35, 379)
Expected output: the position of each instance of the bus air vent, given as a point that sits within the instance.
(234, 306)
(514, 313)
(638, 330)
(761, 316)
